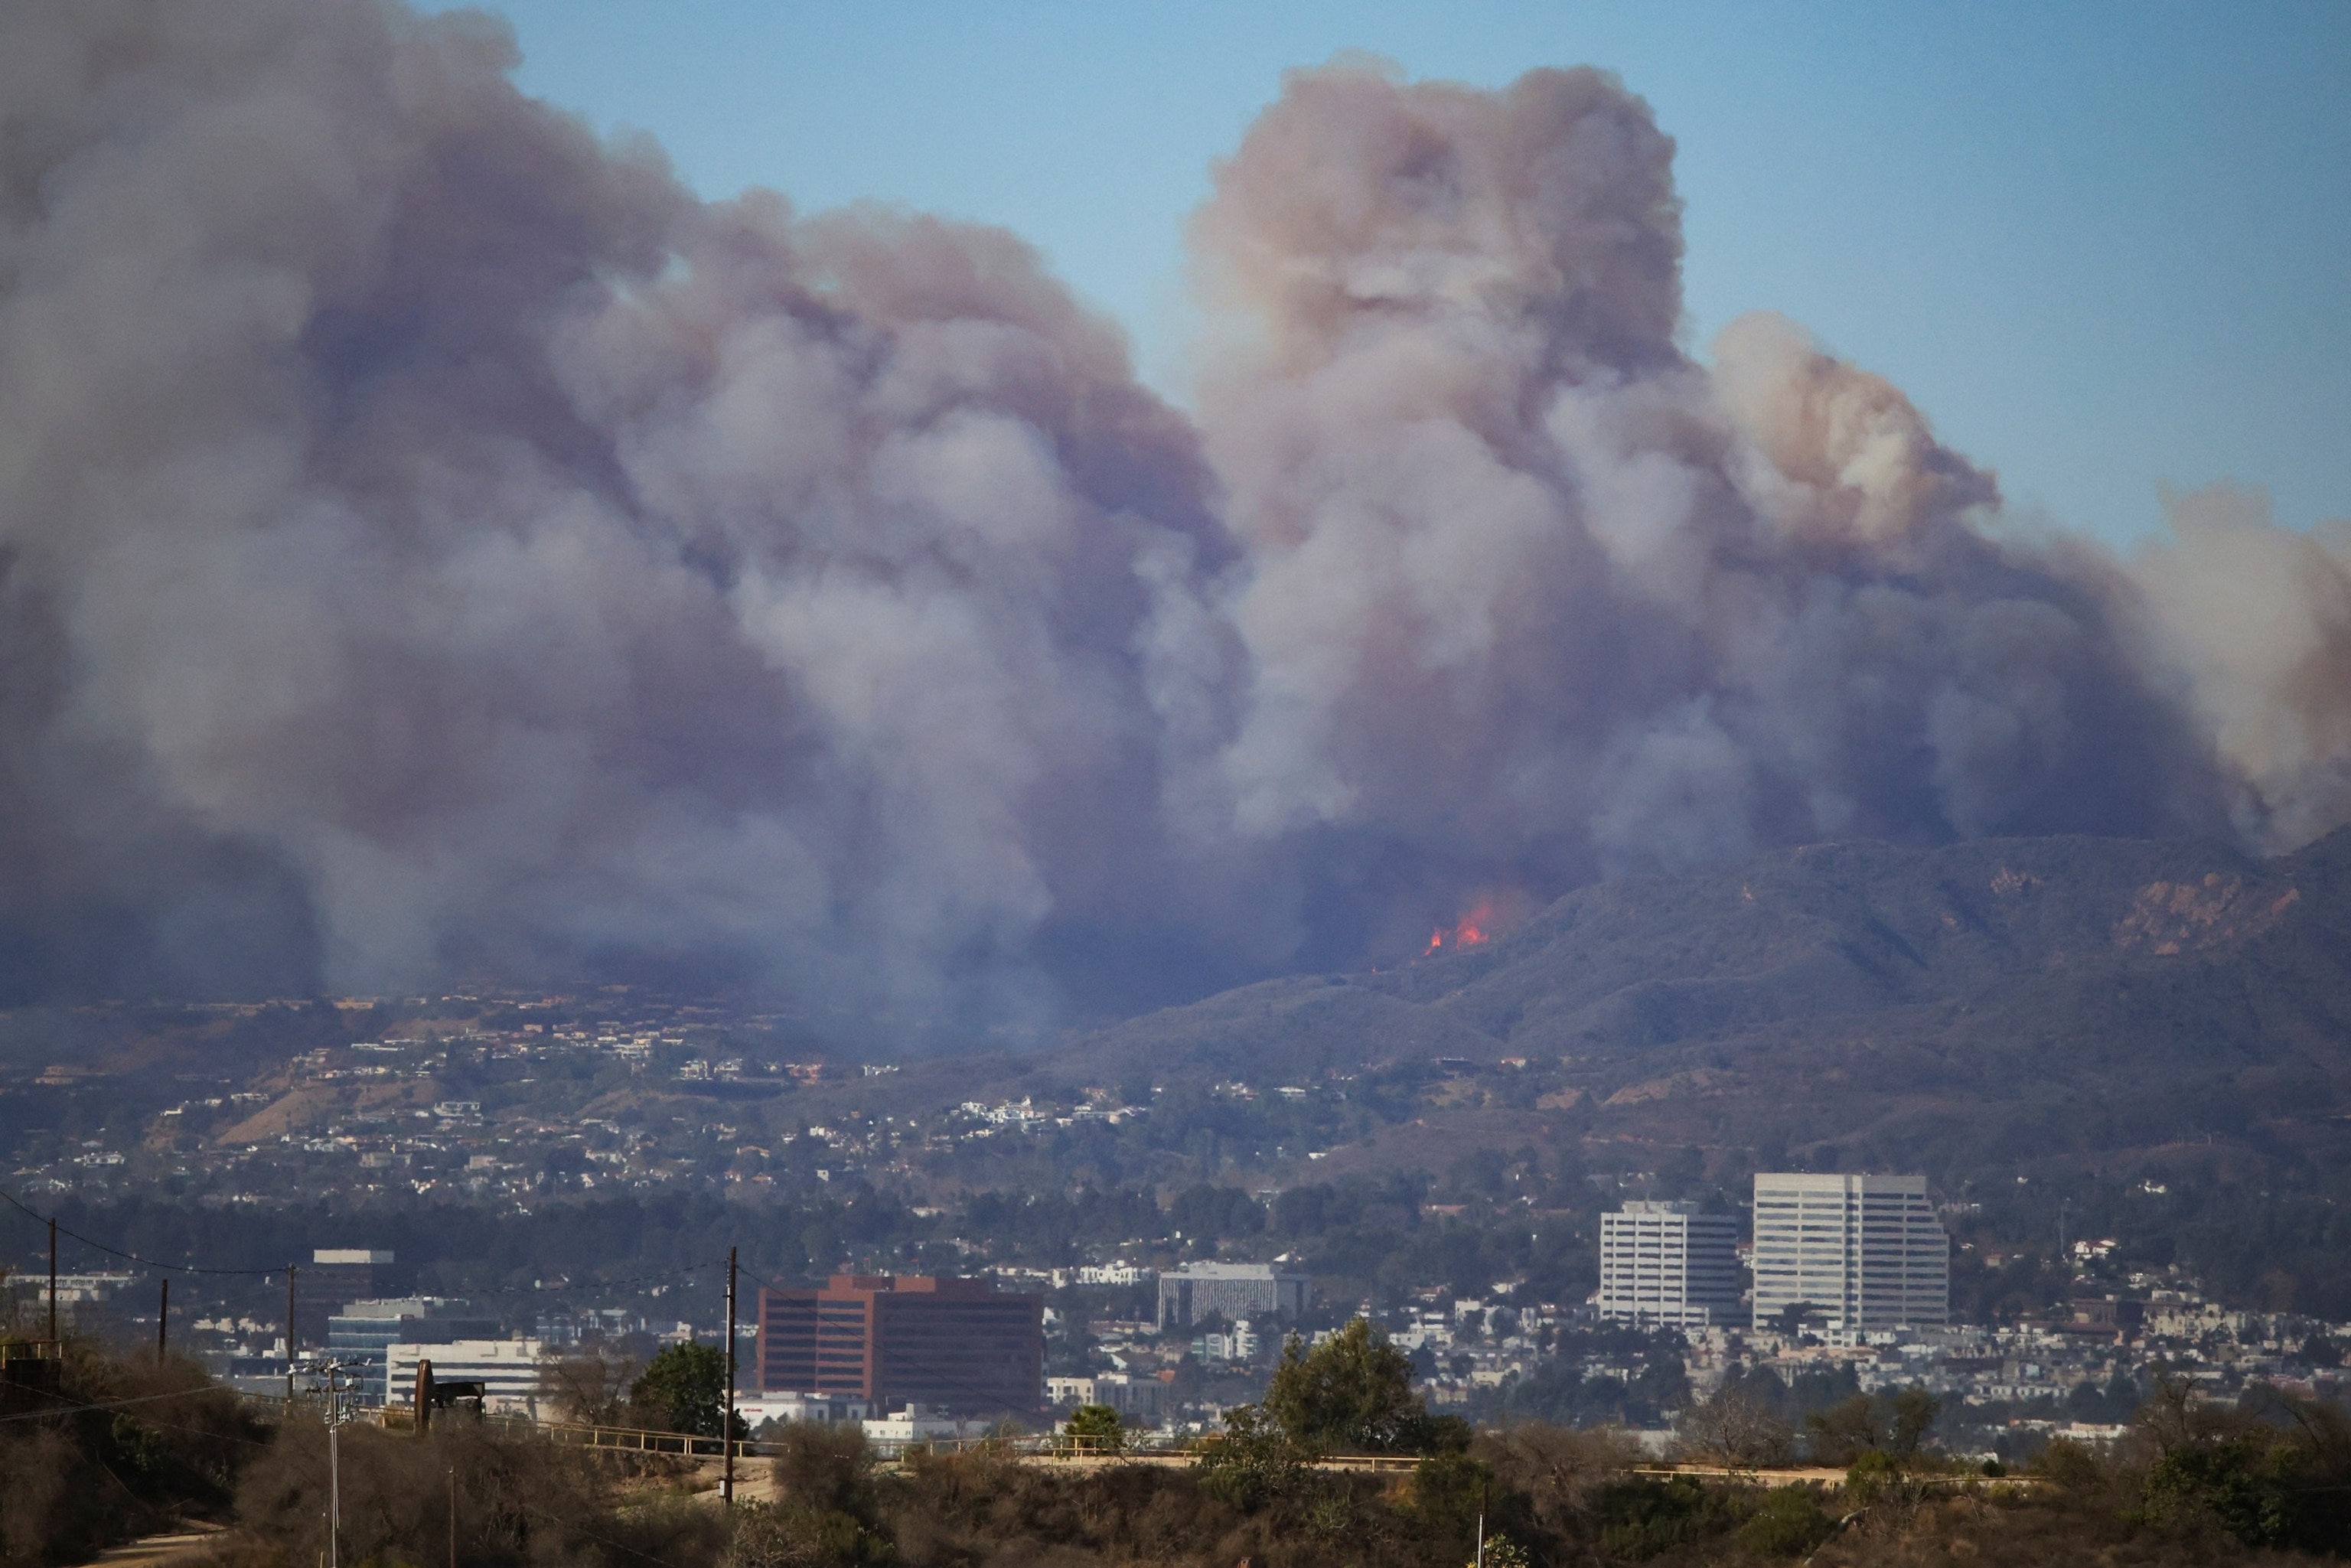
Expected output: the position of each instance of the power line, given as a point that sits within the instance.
(677, 1272)
(263, 1273)
(70, 1407)
(118, 1252)
(66, 1405)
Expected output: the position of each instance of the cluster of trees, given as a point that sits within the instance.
(682, 1389)
(2193, 1484)
(106, 1446)
(1561, 1392)
(2273, 1472)
(1739, 1426)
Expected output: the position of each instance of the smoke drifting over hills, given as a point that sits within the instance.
(437, 543)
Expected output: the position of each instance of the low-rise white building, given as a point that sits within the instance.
(1137, 1400)
(509, 1369)
(757, 1409)
(917, 1423)
(1118, 1272)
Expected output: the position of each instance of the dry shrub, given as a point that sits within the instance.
(520, 1502)
(1734, 1428)
(40, 1475)
(981, 1512)
(123, 1446)
(592, 1388)
(827, 1510)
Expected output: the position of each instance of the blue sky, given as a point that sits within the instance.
(2105, 246)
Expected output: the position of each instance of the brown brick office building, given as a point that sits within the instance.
(958, 1346)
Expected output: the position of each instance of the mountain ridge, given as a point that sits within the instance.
(2150, 988)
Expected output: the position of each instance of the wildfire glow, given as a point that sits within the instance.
(1470, 932)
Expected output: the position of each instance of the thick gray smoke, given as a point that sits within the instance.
(1533, 596)
(435, 544)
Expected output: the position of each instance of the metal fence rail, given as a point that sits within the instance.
(1049, 1448)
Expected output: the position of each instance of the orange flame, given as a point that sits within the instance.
(1473, 929)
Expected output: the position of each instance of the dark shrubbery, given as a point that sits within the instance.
(132, 1446)
(2274, 1472)
(1642, 1516)
(1893, 1423)
(1789, 1522)
(827, 1508)
(118, 1447)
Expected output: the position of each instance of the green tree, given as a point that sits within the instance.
(1894, 1424)
(1788, 1523)
(1501, 1551)
(1251, 1462)
(1640, 1517)
(2234, 1484)
(1913, 1412)
(1449, 1491)
(1352, 1393)
(1873, 1477)
(683, 1389)
(1095, 1430)
(1846, 1430)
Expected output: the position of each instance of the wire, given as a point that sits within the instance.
(581, 1530)
(70, 1406)
(67, 1407)
(117, 1252)
(603, 1284)
(254, 1273)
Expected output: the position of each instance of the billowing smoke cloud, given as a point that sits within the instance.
(1532, 595)
(433, 543)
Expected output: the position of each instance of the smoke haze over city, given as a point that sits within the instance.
(438, 544)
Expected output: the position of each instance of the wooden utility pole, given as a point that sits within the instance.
(334, 1470)
(162, 1320)
(53, 1278)
(726, 1428)
(424, 1408)
(290, 1339)
(453, 1516)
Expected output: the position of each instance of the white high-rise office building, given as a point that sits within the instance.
(1865, 1250)
(1667, 1263)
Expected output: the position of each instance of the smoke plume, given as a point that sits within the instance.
(433, 543)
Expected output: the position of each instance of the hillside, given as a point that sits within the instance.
(1995, 1001)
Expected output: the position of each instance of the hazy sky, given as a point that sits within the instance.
(2106, 247)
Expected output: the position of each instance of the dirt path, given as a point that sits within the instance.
(153, 1551)
(754, 1479)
